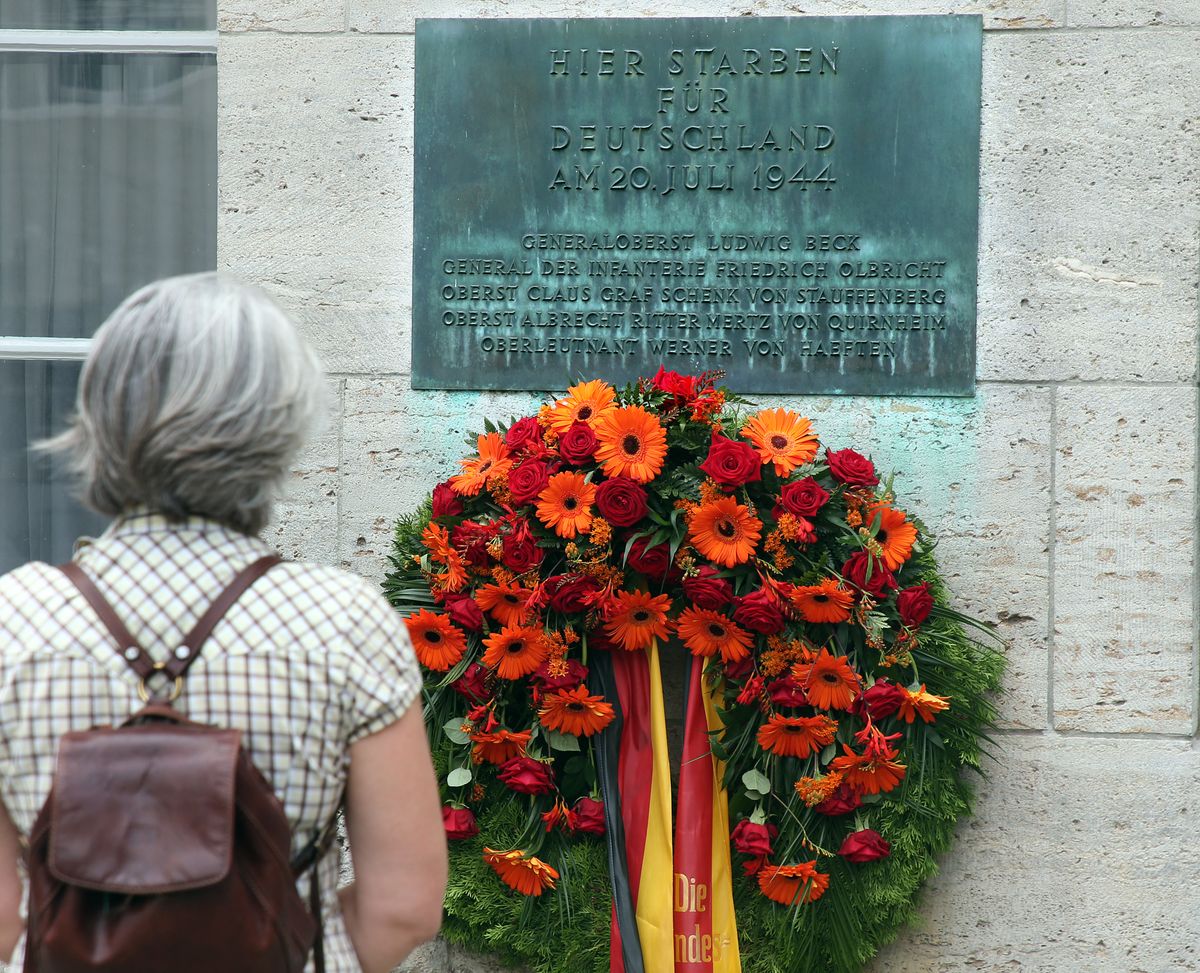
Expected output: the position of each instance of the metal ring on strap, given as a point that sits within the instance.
(176, 689)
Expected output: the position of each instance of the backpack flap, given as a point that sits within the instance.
(144, 809)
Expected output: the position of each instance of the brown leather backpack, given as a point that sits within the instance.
(161, 846)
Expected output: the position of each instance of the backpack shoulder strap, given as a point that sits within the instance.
(137, 657)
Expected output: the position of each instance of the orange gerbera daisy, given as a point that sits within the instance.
(529, 876)
(828, 680)
(515, 651)
(584, 402)
(895, 536)
(566, 504)
(824, 602)
(782, 438)
(499, 746)
(633, 443)
(796, 736)
(867, 775)
(706, 633)
(438, 644)
(921, 703)
(492, 463)
(724, 531)
(505, 602)
(788, 884)
(637, 618)
(575, 711)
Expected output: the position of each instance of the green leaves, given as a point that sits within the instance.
(459, 778)
(757, 784)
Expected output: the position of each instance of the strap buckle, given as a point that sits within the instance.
(143, 690)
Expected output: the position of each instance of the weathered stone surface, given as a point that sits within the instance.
(1080, 858)
(284, 15)
(315, 185)
(1124, 559)
(305, 522)
(432, 957)
(399, 15)
(396, 444)
(1133, 13)
(1090, 200)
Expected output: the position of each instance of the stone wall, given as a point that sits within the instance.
(1065, 491)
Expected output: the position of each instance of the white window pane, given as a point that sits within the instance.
(109, 14)
(40, 520)
(107, 181)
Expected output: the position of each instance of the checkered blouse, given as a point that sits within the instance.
(308, 661)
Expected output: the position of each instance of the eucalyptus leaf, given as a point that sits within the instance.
(756, 781)
(453, 729)
(460, 777)
(563, 741)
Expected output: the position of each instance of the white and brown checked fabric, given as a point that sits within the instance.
(308, 661)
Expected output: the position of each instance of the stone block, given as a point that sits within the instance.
(1090, 197)
(1124, 559)
(396, 445)
(393, 16)
(305, 522)
(1133, 13)
(281, 15)
(430, 957)
(1080, 858)
(315, 136)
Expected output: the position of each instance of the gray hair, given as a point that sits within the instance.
(195, 398)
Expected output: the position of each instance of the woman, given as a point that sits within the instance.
(192, 405)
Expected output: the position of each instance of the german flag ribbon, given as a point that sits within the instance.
(672, 896)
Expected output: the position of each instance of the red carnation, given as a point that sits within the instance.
(621, 501)
(753, 839)
(523, 432)
(464, 612)
(707, 590)
(914, 604)
(881, 581)
(527, 776)
(654, 562)
(878, 701)
(851, 468)
(459, 823)
(577, 444)
(864, 846)
(803, 498)
(759, 612)
(528, 480)
(842, 801)
(446, 502)
(472, 684)
(589, 815)
(731, 462)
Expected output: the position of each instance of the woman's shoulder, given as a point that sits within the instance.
(30, 589)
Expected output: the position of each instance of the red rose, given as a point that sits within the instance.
(740, 669)
(589, 815)
(472, 539)
(881, 581)
(576, 673)
(472, 684)
(459, 823)
(523, 432)
(464, 612)
(864, 846)
(914, 604)
(788, 691)
(528, 480)
(681, 388)
(621, 501)
(753, 839)
(731, 462)
(842, 801)
(707, 589)
(851, 467)
(527, 776)
(569, 590)
(803, 498)
(882, 699)
(759, 612)
(445, 501)
(654, 562)
(577, 444)
(521, 554)
(751, 692)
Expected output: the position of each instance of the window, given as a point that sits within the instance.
(107, 181)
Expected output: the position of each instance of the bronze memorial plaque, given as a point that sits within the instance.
(792, 200)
